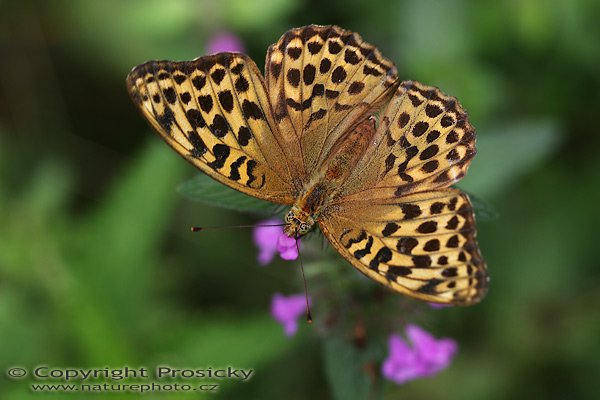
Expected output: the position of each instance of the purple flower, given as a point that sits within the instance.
(224, 41)
(266, 238)
(286, 246)
(439, 305)
(271, 240)
(426, 357)
(286, 311)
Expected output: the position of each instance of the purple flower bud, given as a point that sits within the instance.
(223, 42)
(266, 238)
(271, 240)
(287, 310)
(426, 357)
(439, 305)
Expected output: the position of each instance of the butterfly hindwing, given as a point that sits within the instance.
(214, 111)
(422, 245)
(321, 81)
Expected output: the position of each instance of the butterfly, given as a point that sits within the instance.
(331, 131)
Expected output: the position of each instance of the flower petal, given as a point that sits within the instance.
(224, 41)
(426, 357)
(286, 246)
(435, 354)
(287, 310)
(402, 364)
(266, 238)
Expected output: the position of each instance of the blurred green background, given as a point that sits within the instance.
(97, 265)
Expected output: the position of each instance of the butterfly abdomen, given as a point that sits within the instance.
(348, 150)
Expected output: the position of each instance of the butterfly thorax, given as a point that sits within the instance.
(321, 190)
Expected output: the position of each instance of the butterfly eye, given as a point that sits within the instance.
(289, 217)
(303, 227)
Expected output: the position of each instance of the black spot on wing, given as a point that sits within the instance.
(430, 166)
(338, 75)
(238, 69)
(432, 136)
(351, 57)
(430, 286)
(403, 119)
(356, 87)
(325, 65)
(293, 77)
(219, 127)
(314, 47)
(317, 115)
(199, 82)
(432, 110)
(252, 110)
(436, 207)
(186, 97)
(206, 103)
(446, 121)
(420, 128)
(244, 135)
(170, 95)
(226, 100)
(371, 71)
(252, 178)
(429, 152)
(432, 245)
(410, 211)
(383, 255)
(235, 166)
(275, 70)
(427, 227)
(361, 236)
(218, 75)
(395, 271)
(179, 79)
(241, 84)
(405, 245)
(221, 152)
(421, 261)
(334, 47)
(196, 141)
(166, 119)
(366, 250)
(195, 119)
(390, 229)
(389, 162)
(308, 74)
(452, 242)
(294, 52)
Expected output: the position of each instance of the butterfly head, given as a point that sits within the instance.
(297, 222)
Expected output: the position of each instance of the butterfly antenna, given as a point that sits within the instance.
(203, 228)
(308, 313)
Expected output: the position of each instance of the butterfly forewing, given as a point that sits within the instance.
(321, 81)
(422, 244)
(424, 142)
(215, 113)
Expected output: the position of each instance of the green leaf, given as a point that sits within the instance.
(111, 254)
(206, 190)
(506, 153)
(484, 211)
(344, 369)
